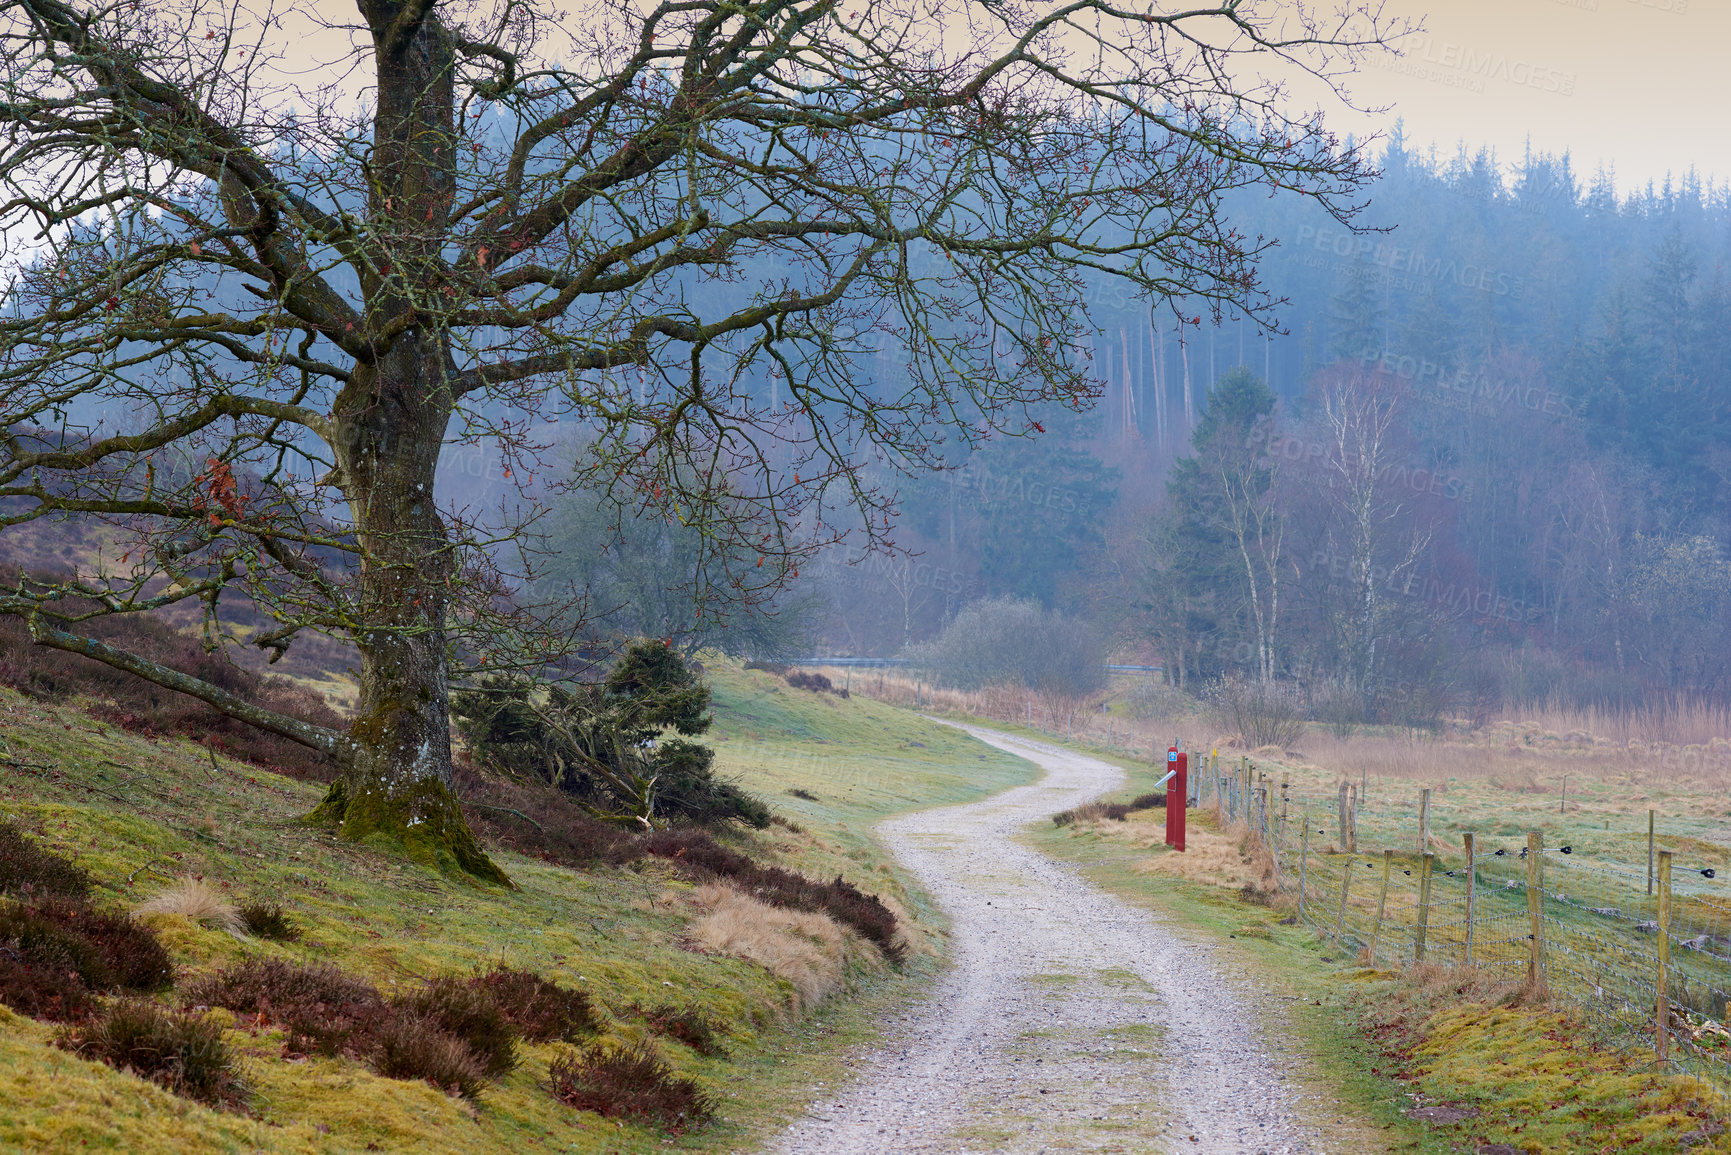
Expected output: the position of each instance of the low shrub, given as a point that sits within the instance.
(541, 821)
(816, 683)
(267, 921)
(184, 1053)
(27, 869)
(1092, 812)
(693, 1026)
(52, 993)
(135, 958)
(413, 1047)
(324, 1010)
(55, 953)
(1147, 801)
(796, 792)
(629, 1082)
(539, 1008)
(701, 859)
(467, 1012)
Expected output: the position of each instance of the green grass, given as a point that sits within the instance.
(138, 813)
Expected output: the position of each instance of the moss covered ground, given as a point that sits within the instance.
(1430, 1060)
(141, 812)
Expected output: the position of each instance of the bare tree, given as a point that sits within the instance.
(1372, 528)
(247, 313)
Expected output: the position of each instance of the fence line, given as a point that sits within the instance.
(1645, 954)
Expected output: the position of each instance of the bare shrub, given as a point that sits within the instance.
(183, 1052)
(693, 1026)
(468, 1012)
(1006, 642)
(192, 898)
(539, 1008)
(1261, 715)
(324, 1010)
(413, 1047)
(629, 1082)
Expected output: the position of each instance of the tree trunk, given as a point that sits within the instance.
(390, 425)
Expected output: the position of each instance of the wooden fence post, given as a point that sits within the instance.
(1345, 885)
(1649, 854)
(1536, 912)
(1424, 821)
(1283, 801)
(1662, 1002)
(1341, 811)
(1303, 863)
(1381, 903)
(1427, 863)
(1472, 887)
(1352, 820)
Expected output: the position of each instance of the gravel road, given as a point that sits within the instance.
(1071, 1021)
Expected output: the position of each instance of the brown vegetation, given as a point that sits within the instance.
(182, 1052)
(629, 1082)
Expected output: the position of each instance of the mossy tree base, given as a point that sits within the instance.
(423, 821)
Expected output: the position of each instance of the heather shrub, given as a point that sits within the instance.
(467, 1012)
(267, 921)
(539, 1008)
(184, 1053)
(26, 868)
(408, 1046)
(43, 991)
(324, 1010)
(55, 953)
(628, 1082)
(693, 1026)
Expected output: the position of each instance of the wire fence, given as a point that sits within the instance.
(1643, 949)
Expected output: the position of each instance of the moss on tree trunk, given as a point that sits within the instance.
(422, 821)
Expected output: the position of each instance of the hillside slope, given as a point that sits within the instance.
(139, 813)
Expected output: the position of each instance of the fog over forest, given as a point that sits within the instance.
(1483, 463)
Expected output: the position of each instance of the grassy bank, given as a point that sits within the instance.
(139, 813)
(1427, 1061)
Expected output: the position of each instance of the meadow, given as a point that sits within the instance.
(141, 814)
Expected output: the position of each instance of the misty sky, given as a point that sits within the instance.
(1641, 86)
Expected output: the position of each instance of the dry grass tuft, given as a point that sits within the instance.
(191, 898)
(810, 951)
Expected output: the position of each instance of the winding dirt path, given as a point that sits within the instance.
(1070, 1020)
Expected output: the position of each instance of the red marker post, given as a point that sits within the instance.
(1178, 788)
(1171, 782)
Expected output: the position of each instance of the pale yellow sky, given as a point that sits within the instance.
(1641, 86)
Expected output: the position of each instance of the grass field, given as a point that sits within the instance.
(1429, 1059)
(139, 813)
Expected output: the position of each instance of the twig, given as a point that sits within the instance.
(140, 871)
(214, 768)
(508, 810)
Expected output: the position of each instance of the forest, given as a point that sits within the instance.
(1482, 462)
